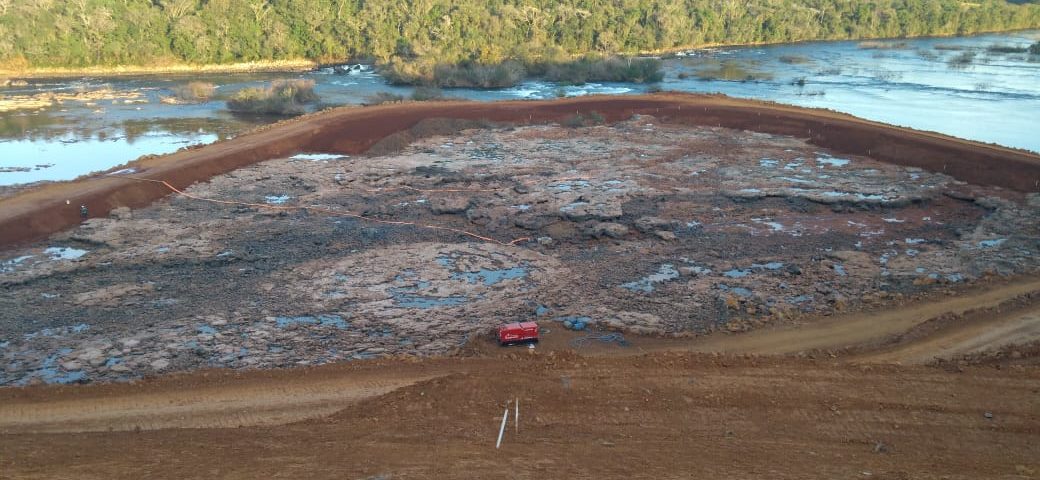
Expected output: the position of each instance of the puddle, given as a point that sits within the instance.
(487, 276)
(57, 332)
(768, 162)
(50, 372)
(522, 208)
(64, 253)
(316, 157)
(276, 199)
(738, 291)
(573, 206)
(736, 273)
(324, 319)
(992, 243)
(795, 180)
(694, 268)
(569, 185)
(840, 270)
(914, 241)
(205, 330)
(800, 299)
(741, 273)
(893, 220)
(9, 265)
(824, 159)
(490, 277)
(774, 226)
(665, 273)
(853, 195)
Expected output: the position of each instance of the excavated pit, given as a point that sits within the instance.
(636, 225)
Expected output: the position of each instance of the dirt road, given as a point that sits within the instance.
(981, 333)
(665, 415)
(631, 414)
(223, 401)
(876, 327)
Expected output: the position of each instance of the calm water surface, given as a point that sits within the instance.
(956, 86)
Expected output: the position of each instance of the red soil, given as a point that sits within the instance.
(36, 213)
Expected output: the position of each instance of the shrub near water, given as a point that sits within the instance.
(462, 75)
(602, 69)
(283, 97)
(194, 92)
(511, 73)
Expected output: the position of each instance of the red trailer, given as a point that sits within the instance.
(518, 333)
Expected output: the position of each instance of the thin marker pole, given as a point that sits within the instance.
(502, 429)
(516, 418)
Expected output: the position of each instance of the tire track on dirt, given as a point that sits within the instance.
(218, 406)
(873, 327)
(1014, 328)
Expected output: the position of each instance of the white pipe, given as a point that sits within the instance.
(502, 429)
(516, 418)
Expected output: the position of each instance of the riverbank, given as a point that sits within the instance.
(664, 53)
(299, 65)
(302, 65)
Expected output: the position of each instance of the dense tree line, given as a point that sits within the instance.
(79, 33)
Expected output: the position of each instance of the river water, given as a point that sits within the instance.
(957, 86)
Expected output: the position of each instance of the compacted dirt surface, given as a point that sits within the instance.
(713, 302)
(662, 415)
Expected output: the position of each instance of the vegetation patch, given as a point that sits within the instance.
(510, 73)
(194, 92)
(429, 94)
(1006, 49)
(601, 69)
(881, 45)
(86, 33)
(794, 59)
(733, 72)
(282, 97)
(380, 98)
(962, 60)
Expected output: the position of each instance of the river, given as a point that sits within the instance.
(959, 86)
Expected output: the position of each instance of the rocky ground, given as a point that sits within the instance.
(633, 226)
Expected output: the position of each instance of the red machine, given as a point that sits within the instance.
(518, 333)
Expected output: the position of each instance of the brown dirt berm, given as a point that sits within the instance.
(36, 213)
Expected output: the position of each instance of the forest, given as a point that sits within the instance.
(419, 35)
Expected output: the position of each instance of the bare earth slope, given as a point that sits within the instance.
(39, 212)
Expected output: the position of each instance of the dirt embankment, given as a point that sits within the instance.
(39, 212)
(663, 415)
